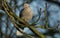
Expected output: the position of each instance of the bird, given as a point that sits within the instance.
(26, 13)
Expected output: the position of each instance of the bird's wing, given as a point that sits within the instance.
(20, 15)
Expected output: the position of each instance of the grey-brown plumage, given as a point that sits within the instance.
(26, 13)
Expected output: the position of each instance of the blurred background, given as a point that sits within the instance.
(6, 26)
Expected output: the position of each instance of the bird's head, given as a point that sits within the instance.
(26, 5)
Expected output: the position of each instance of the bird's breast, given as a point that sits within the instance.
(27, 14)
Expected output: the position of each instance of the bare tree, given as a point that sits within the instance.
(15, 20)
